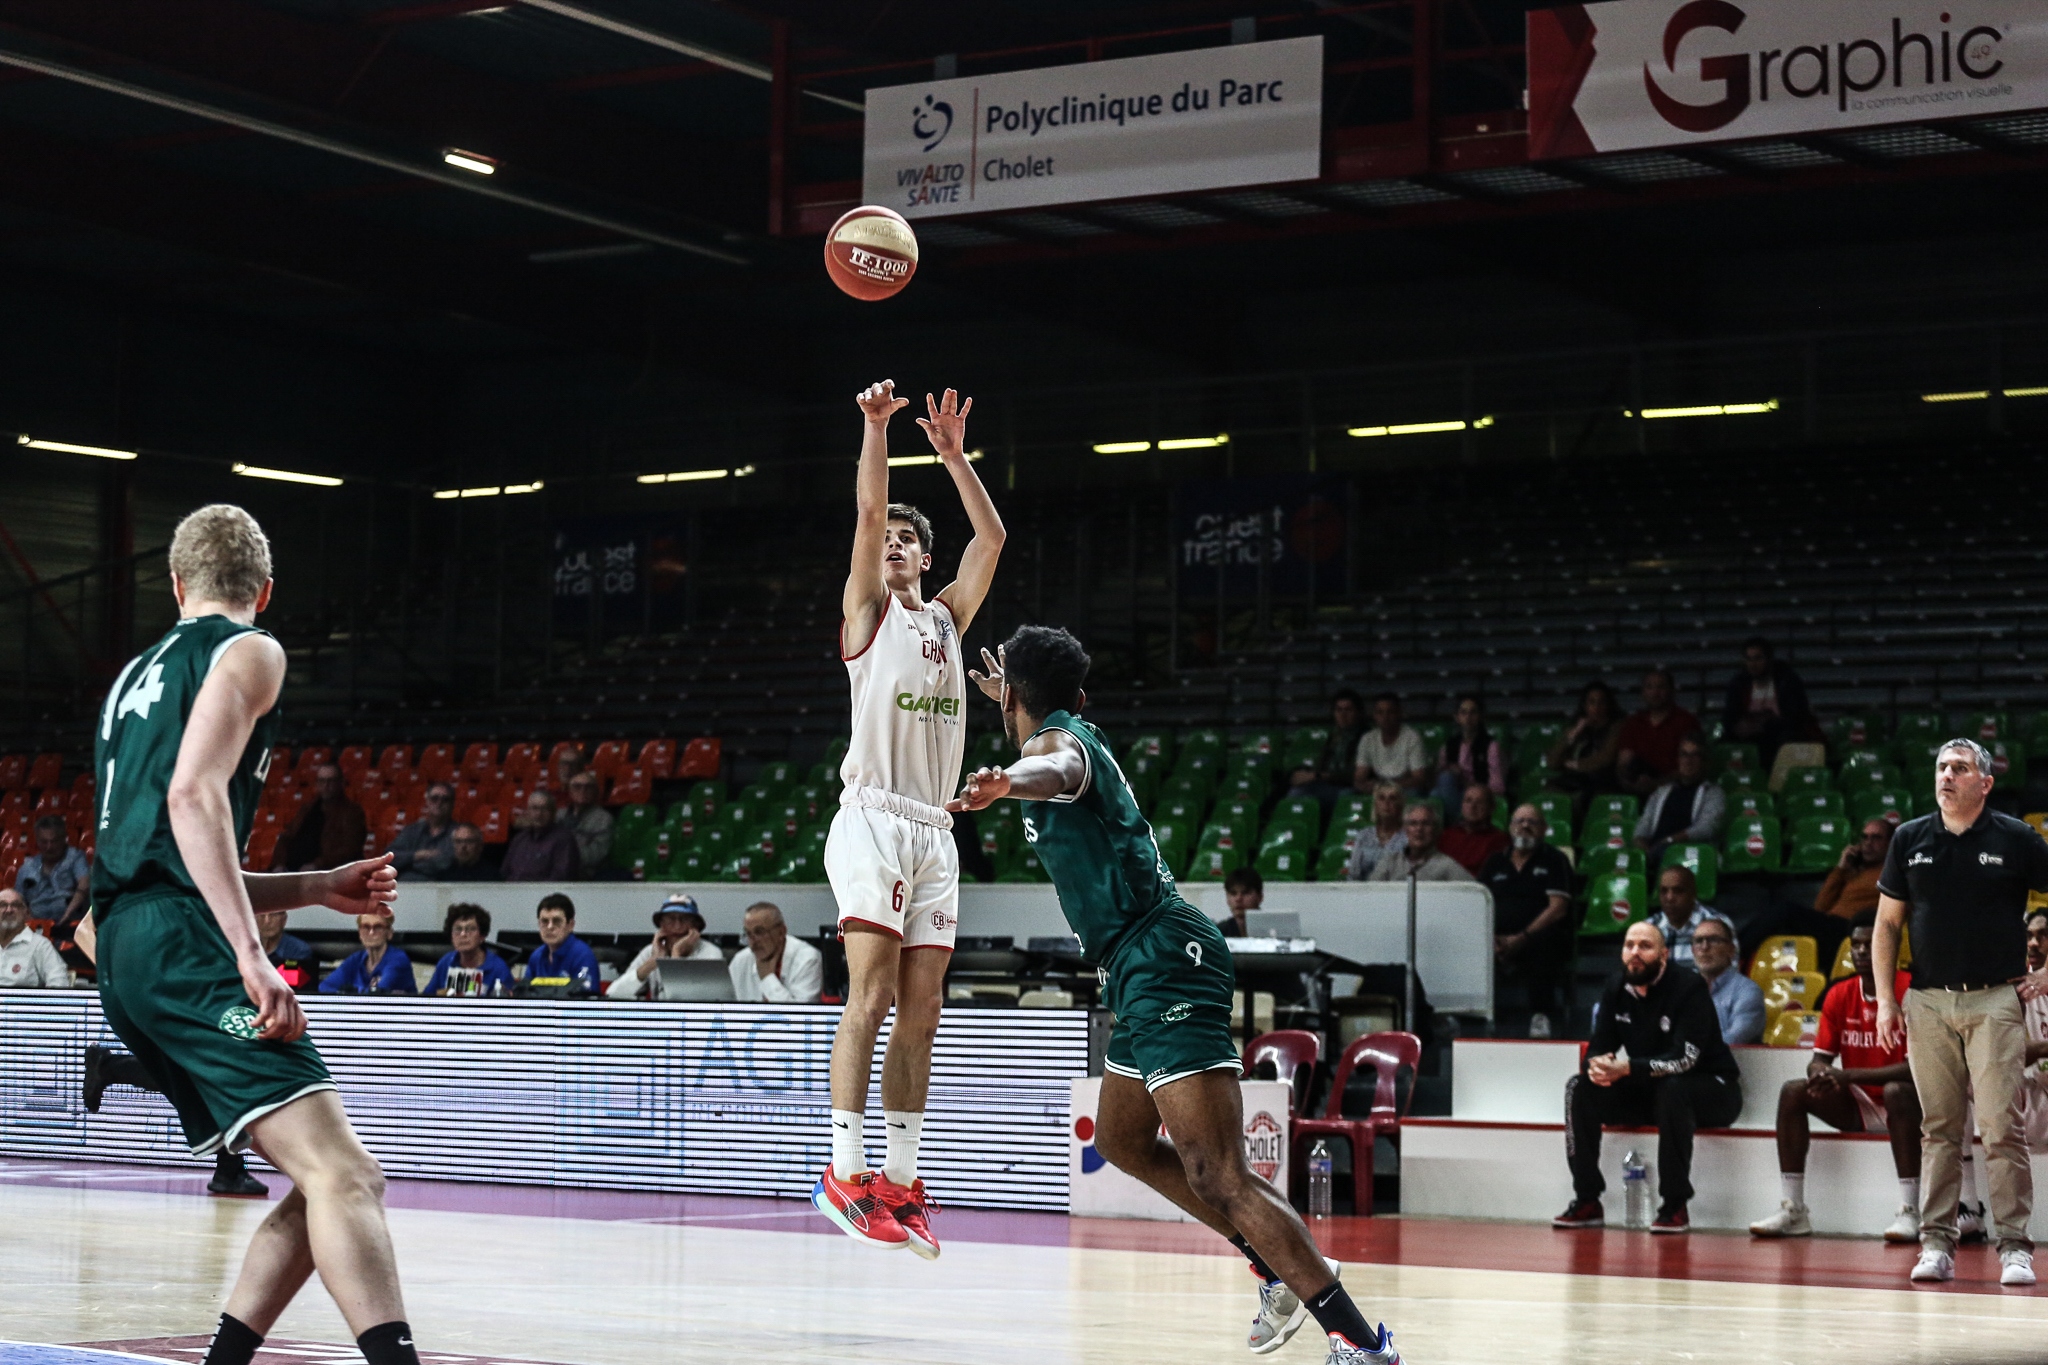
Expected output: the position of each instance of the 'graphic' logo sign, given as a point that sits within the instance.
(931, 121)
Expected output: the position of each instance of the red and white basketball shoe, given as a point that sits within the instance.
(913, 1210)
(857, 1207)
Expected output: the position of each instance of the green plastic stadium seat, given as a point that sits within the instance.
(780, 775)
(1267, 745)
(1332, 862)
(1863, 779)
(1433, 733)
(1752, 846)
(1740, 757)
(1237, 812)
(1204, 738)
(1214, 862)
(1889, 802)
(1619, 806)
(1287, 834)
(1817, 842)
(1742, 804)
(826, 775)
(1741, 780)
(1916, 730)
(799, 866)
(1151, 744)
(1187, 786)
(836, 750)
(1300, 809)
(1794, 805)
(1604, 831)
(739, 816)
(1807, 779)
(1243, 783)
(1304, 746)
(690, 863)
(1984, 726)
(990, 750)
(634, 821)
(1351, 810)
(707, 796)
(1285, 864)
(1854, 732)
(2035, 734)
(1615, 862)
(1171, 809)
(1556, 808)
(2009, 762)
(1614, 903)
(1202, 766)
(1702, 860)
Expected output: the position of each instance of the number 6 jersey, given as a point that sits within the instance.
(135, 751)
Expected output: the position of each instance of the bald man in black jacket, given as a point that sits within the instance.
(1656, 1058)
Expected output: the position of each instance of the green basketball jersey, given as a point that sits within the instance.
(1098, 849)
(136, 751)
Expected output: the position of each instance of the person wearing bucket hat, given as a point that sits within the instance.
(678, 932)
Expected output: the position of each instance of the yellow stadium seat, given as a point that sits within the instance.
(1845, 962)
(1784, 953)
(2039, 820)
(1794, 990)
(1792, 1028)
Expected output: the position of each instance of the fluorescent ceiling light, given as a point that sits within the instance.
(470, 161)
(491, 491)
(69, 449)
(1709, 410)
(686, 475)
(1194, 442)
(1121, 447)
(1418, 428)
(286, 475)
(900, 461)
(533, 487)
(1979, 395)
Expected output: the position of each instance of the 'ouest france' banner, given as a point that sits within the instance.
(1649, 73)
(1247, 114)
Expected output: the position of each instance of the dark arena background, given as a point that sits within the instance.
(1622, 373)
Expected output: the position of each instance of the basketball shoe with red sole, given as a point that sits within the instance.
(912, 1208)
(856, 1207)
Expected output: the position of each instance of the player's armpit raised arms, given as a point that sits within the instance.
(1053, 765)
(946, 427)
(866, 592)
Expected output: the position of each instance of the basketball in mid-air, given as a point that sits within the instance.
(871, 252)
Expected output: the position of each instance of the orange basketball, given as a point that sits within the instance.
(871, 252)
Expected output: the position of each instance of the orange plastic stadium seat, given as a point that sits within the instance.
(634, 787)
(388, 825)
(610, 758)
(479, 757)
(561, 746)
(354, 759)
(47, 771)
(700, 758)
(262, 848)
(658, 757)
(83, 783)
(51, 802)
(395, 758)
(280, 758)
(521, 759)
(496, 826)
(79, 802)
(13, 772)
(311, 757)
(437, 762)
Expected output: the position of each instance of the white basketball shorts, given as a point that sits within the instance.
(895, 874)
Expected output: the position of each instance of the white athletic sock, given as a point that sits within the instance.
(849, 1157)
(903, 1127)
(1909, 1192)
(1794, 1187)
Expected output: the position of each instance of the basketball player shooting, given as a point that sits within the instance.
(182, 750)
(1168, 980)
(890, 856)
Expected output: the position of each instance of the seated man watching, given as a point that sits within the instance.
(1329, 775)
(56, 879)
(26, 957)
(1870, 1091)
(1679, 912)
(1687, 809)
(1390, 751)
(470, 865)
(1475, 838)
(563, 967)
(1737, 1000)
(1382, 837)
(1532, 944)
(425, 848)
(1656, 1058)
(1243, 890)
(1851, 887)
(778, 969)
(469, 967)
(540, 850)
(293, 957)
(678, 933)
(586, 818)
(376, 968)
(1420, 856)
(1650, 737)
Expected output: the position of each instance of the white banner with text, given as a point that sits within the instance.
(1246, 114)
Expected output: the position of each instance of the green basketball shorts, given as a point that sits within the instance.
(1171, 986)
(169, 986)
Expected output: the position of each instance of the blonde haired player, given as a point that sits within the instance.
(890, 857)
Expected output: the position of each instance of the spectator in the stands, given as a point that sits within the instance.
(563, 966)
(1582, 760)
(678, 932)
(1766, 703)
(1854, 1084)
(26, 957)
(1650, 737)
(1851, 887)
(568, 763)
(1679, 912)
(1329, 776)
(1243, 890)
(469, 967)
(57, 879)
(425, 848)
(293, 957)
(1687, 809)
(1474, 838)
(1656, 1057)
(1419, 856)
(1470, 754)
(470, 863)
(1385, 835)
(376, 968)
(540, 850)
(777, 968)
(586, 818)
(1531, 883)
(329, 830)
(2034, 1094)
(1738, 1001)
(1390, 751)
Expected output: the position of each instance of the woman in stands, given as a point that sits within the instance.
(1470, 755)
(1582, 762)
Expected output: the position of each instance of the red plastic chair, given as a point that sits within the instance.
(396, 758)
(522, 760)
(610, 759)
(700, 758)
(1386, 1053)
(561, 746)
(1291, 1051)
(354, 760)
(496, 826)
(657, 757)
(480, 757)
(310, 758)
(13, 772)
(633, 787)
(48, 771)
(437, 763)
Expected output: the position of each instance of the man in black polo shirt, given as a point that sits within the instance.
(1656, 1058)
(1963, 874)
(1531, 883)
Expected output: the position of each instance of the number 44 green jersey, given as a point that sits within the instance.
(136, 751)
(1098, 849)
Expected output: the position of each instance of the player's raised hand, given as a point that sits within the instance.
(879, 401)
(362, 888)
(991, 682)
(946, 428)
(984, 787)
(278, 1016)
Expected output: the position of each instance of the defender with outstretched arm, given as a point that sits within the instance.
(1167, 979)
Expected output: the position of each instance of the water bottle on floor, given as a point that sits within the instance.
(1635, 1192)
(1319, 1179)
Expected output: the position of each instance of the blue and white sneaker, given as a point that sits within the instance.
(1344, 1352)
(1281, 1314)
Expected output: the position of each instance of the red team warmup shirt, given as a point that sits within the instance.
(1848, 1029)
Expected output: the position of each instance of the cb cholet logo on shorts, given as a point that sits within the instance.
(238, 1021)
(1175, 1013)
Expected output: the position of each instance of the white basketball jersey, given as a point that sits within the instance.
(909, 705)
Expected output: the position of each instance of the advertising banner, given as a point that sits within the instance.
(1226, 527)
(632, 566)
(1247, 114)
(1650, 73)
(1100, 1190)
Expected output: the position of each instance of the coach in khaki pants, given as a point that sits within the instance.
(1963, 874)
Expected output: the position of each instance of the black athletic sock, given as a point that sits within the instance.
(388, 1343)
(1259, 1266)
(1334, 1312)
(234, 1342)
(125, 1068)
